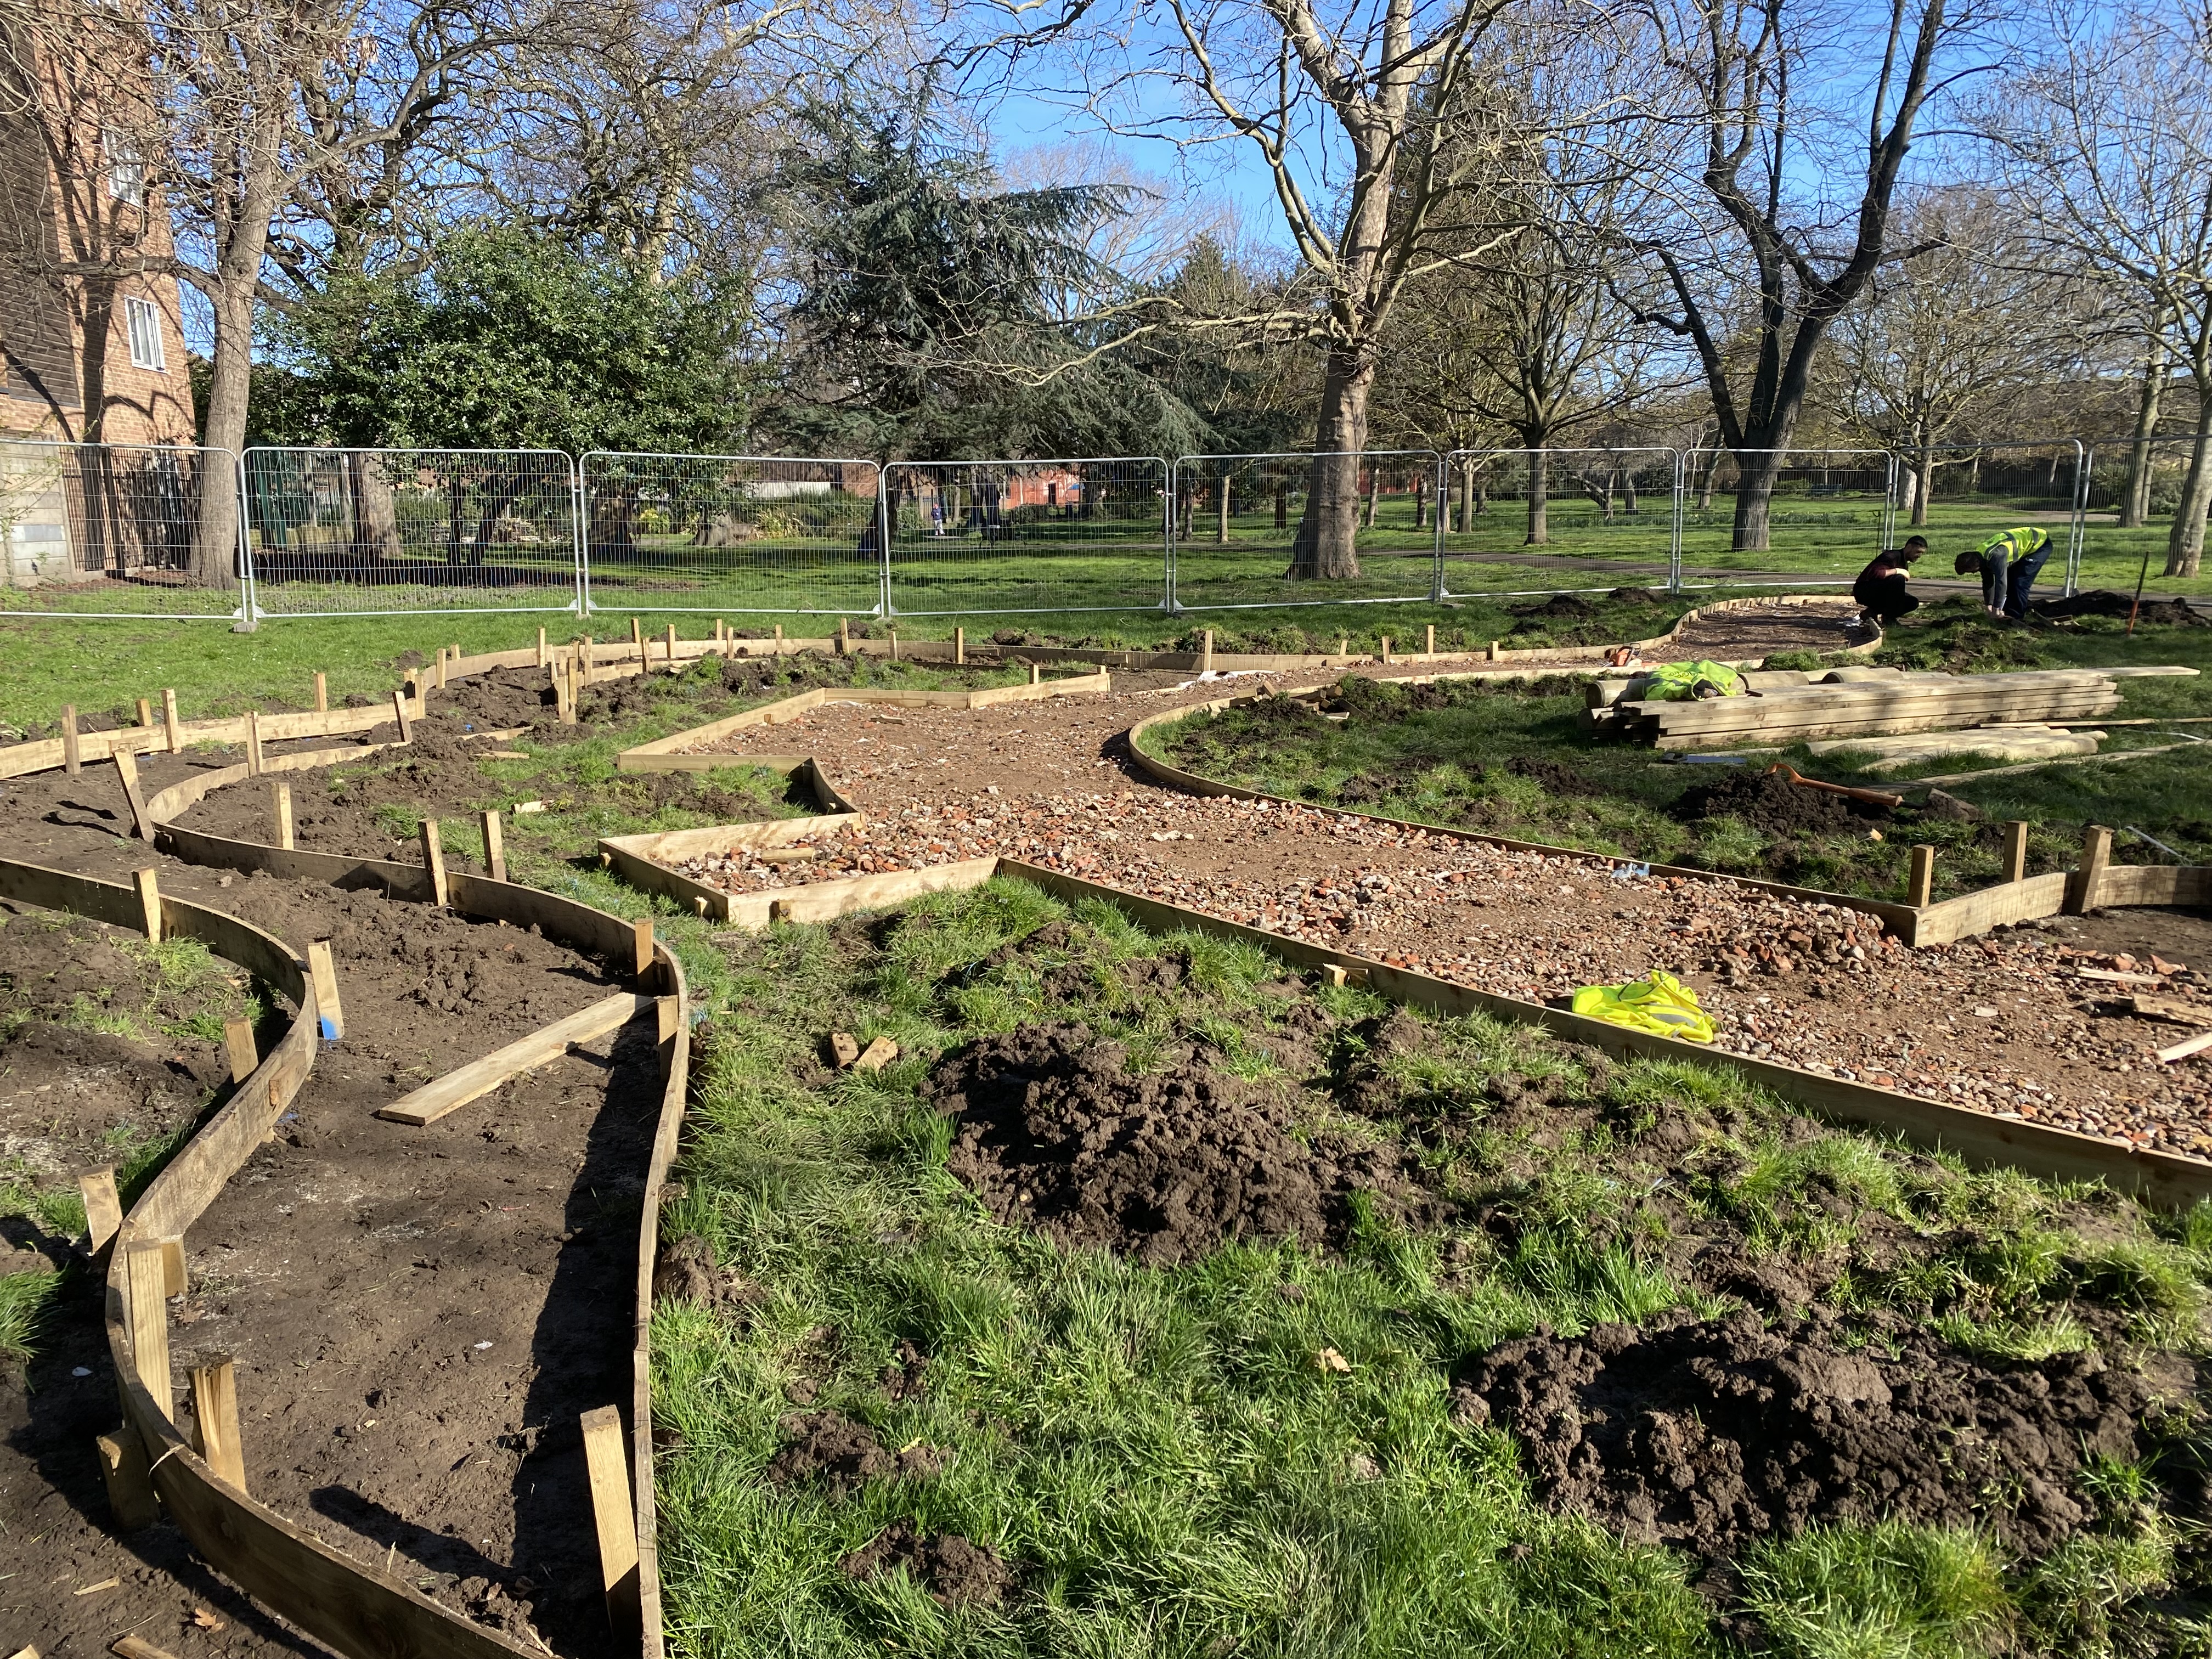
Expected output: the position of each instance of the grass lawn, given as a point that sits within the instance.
(1514, 761)
(1265, 1446)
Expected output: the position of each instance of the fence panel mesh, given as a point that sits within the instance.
(114, 529)
(1785, 518)
(1027, 536)
(731, 534)
(1245, 523)
(1560, 520)
(1960, 496)
(351, 533)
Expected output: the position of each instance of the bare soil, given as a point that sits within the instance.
(955, 1572)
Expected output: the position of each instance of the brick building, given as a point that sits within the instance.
(92, 347)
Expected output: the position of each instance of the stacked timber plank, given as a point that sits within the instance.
(1861, 702)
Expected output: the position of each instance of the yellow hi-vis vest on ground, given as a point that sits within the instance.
(1661, 1005)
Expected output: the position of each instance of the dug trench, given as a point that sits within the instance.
(1443, 1257)
(417, 1315)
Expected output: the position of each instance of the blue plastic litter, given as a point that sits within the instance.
(1627, 872)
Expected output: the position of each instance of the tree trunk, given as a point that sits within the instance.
(1466, 496)
(2134, 503)
(215, 543)
(1922, 481)
(1909, 482)
(1755, 473)
(2185, 543)
(1327, 548)
(375, 510)
(1628, 489)
(1705, 485)
(1539, 501)
(1420, 503)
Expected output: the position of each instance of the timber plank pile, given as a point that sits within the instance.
(1782, 708)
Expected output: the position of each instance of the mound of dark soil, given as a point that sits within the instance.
(1055, 1130)
(2105, 602)
(1560, 607)
(955, 1572)
(843, 1455)
(501, 698)
(1707, 1435)
(1553, 777)
(1771, 804)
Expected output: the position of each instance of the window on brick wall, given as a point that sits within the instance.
(144, 317)
(126, 167)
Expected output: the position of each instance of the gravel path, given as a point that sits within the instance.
(2004, 1024)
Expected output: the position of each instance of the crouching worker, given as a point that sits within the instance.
(2008, 563)
(1880, 589)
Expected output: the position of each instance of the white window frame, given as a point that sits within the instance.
(142, 321)
(126, 167)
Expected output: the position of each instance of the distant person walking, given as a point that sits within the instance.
(1880, 589)
(2009, 561)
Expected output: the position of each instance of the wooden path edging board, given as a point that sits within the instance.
(449, 1093)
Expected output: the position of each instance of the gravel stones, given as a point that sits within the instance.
(1707, 1435)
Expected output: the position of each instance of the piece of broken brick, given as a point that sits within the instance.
(843, 1051)
(878, 1054)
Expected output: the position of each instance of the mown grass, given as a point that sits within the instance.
(1160, 1449)
(1455, 765)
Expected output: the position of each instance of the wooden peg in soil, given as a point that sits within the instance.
(433, 860)
(1430, 648)
(637, 635)
(494, 847)
(606, 1466)
(1036, 672)
(145, 712)
(1386, 648)
(779, 639)
(642, 948)
(149, 883)
(453, 657)
(146, 1288)
(1494, 650)
(2096, 854)
(126, 773)
(1920, 884)
(668, 1013)
(1206, 651)
(175, 729)
(584, 654)
(672, 645)
(282, 793)
(399, 712)
(71, 761)
(1344, 645)
(103, 1207)
(322, 692)
(172, 1267)
(130, 1483)
(2015, 850)
(324, 976)
(844, 639)
(892, 630)
(541, 647)
(214, 1420)
(960, 647)
(253, 743)
(238, 1047)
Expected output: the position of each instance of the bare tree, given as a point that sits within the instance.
(2105, 144)
(1766, 238)
(1974, 321)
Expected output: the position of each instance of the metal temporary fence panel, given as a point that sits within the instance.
(2131, 496)
(1960, 494)
(114, 529)
(368, 532)
(1587, 519)
(1806, 517)
(1239, 519)
(969, 537)
(728, 534)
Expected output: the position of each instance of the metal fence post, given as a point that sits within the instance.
(1674, 532)
(582, 603)
(2085, 461)
(1437, 542)
(884, 544)
(1169, 496)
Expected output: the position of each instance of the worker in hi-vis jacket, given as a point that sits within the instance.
(2008, 563)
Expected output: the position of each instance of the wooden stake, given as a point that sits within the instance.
(325, 976)
(253, 743)
(672, 645)
(126, 773)
(844, 639)
(172, 1267)
(130, 1484)
(606, 1464)
(1431, 647)
(441, 667)
(1036, 672)
(238, 1047)
(892, 630)
(564, 692)
(541, 647)
(282, 792)
(641, 947)
(449, 1093)
(175, 727)
(2096, 854)
(214, 1420)
(149, 883)
(779, 639)
(145, 712)
(322, 692)
(2015, 850)
(494, 847)
(1206, 651)
(146, 1305)
(399, 712)
(668, 1013)
(433, 860)
(960, 647)
(2186, 1047)
(637, 635)
(103, 1207)
(1386, 648)
(1494, 650)
(584, 654)
(1920, 883)
(72, 763)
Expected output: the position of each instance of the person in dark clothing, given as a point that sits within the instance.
(1880, 589)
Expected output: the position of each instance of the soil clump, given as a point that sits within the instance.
(955, 1572)
(830, 1447)
(2105, 602)
(1771, 804)
(1054, 1130)
(1708, 1434)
